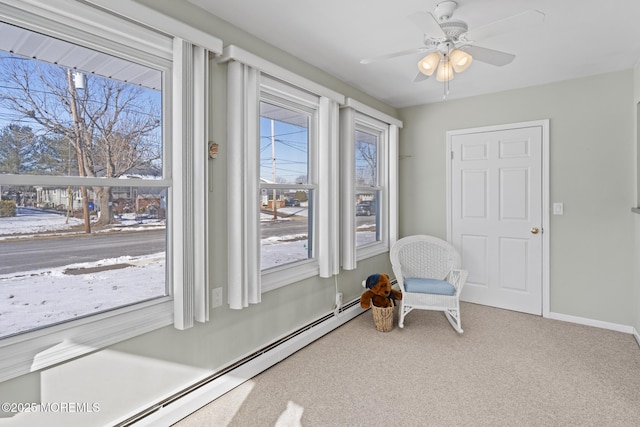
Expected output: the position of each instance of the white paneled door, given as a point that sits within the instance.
(496, 219)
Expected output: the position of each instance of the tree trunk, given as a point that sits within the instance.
(105, 204)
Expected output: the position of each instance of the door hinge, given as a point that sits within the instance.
(451, 154)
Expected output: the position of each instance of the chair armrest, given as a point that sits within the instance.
(399, 283)
(458, 278)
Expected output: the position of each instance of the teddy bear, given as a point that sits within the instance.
(379, 292)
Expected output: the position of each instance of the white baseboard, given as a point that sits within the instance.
(595, 323)
(196, 399)
(637, 335)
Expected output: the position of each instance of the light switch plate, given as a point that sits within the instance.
(558, 208)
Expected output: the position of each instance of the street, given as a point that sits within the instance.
(299, 225)
(35, 254)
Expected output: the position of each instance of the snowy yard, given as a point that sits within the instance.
(32, 221)
(38, 298)
(41, 298)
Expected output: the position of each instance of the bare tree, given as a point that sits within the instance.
(112, 125)
(366, 174)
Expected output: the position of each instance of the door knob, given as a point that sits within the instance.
(535, 230)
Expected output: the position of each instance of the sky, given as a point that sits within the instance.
(9, 116)
(291, 151)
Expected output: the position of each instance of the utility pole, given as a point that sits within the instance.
(69, 191)
(273, 167)
(79, 148)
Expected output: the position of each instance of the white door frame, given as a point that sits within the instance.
(546, 229)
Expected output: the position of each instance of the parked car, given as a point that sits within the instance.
(291, 201)
(366, 207)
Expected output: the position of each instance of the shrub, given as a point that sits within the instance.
(7, 208)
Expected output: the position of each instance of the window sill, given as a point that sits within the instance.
(368, 251)
(40, 349)
(283, 276)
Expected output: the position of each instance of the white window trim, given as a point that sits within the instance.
(97, 30)
(90, 27)
(161, 22)
(246, 281)
(189, 198)
(372, 126)
(358, 116)
(276, 92)
(323, 174)
(234, 53)
(42, 348)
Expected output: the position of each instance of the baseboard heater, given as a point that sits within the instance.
(179, 405)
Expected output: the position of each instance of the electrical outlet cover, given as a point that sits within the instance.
(216, 297)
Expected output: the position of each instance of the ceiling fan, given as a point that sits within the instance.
(449, 44)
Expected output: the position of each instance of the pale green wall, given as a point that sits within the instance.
(636, 281)
(636, 107)
(592, 171)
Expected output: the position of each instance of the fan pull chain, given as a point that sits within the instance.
(447, 77)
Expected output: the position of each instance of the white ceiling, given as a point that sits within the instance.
(577, 38)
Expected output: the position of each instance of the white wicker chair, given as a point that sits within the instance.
(428, 272)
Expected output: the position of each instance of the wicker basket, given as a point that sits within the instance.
(383, 318)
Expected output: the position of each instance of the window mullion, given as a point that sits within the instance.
(348, 191)
(189, 199)
(393, 188)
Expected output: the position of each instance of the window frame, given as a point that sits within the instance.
(356, 116)
(244, 73)
(41, 348)
(294, 98)
(380, 130)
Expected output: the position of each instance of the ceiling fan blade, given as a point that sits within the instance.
(490, 56)
(428, 24)
(420, 77)
(506, 25)
(394, 55)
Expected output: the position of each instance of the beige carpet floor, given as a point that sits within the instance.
(507, 369)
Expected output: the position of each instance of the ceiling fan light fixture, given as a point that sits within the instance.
(445, 9)
(429, 63)
(460, 60)
(445, 71)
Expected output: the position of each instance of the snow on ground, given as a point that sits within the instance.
(44, 297)
(32, 221)
(34, 299)
(29, 221)
(285, 213)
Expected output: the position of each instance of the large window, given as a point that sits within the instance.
(82, 178)
(93, 192)
(368, 189)
(288, 182)
(369, 175)
(282, 178)
(286, 190)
